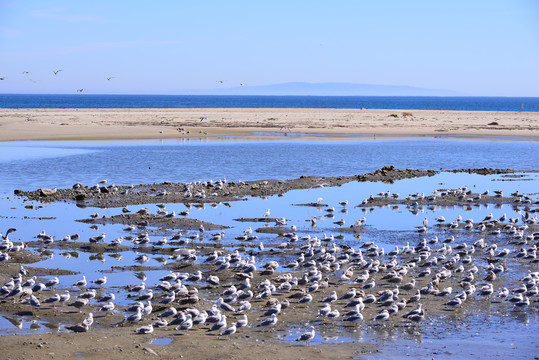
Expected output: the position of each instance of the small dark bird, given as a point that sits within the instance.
(56, 71)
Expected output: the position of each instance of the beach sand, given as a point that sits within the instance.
(93, 124)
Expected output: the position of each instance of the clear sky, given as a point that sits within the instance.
(476, 47)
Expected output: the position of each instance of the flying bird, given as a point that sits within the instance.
(56, 71)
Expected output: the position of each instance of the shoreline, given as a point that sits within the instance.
(341, 124)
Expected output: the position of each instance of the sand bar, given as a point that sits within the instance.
(94, 124)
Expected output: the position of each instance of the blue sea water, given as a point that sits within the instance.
(243, 101)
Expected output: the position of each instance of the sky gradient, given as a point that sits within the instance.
(478, 48)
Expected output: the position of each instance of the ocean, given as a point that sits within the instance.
(72, 101)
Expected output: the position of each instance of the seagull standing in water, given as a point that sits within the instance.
(307, 336)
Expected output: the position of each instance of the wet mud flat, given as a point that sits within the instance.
(101, 195)
(446, 263)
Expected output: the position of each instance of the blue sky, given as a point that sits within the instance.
(162, 47)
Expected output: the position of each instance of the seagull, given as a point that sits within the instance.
(89, 320)
(307, 336)
(271, 321)
(56, 71)
(342, 273)
(169, 312)
(135, 317)
(107, 307)
(488, 217)
(65, 297)
(81, 283)
(100, 281)
(230, 331)
(34, 301)
(219, 325)
(138, 288)
(383, 316)
(306, 299)
(354, 317)
(52, 283)
(79, 303)
(415, 311)
(148, 329)
(243, 322)
(52, 299)
(330, 298)
(9, 231)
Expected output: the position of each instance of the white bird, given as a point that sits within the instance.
(107, 307)
(383, 316)
(135, 317)
(219, 325)
(230, 330)
(187, 324)
(243, 322)
(271, 321)
(307, 336)
(148, 329)
(89, 320)
(100, 281)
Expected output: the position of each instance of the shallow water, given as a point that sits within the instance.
(31, 165)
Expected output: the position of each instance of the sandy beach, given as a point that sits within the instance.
(80, 124)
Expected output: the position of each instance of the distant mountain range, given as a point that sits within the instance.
(325, 89)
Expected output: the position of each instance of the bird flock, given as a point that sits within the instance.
(316, 280)
(55, 73)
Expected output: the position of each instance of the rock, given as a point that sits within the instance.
(151, 351)
(47, 192)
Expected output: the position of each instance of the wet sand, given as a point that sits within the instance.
(86, 124)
